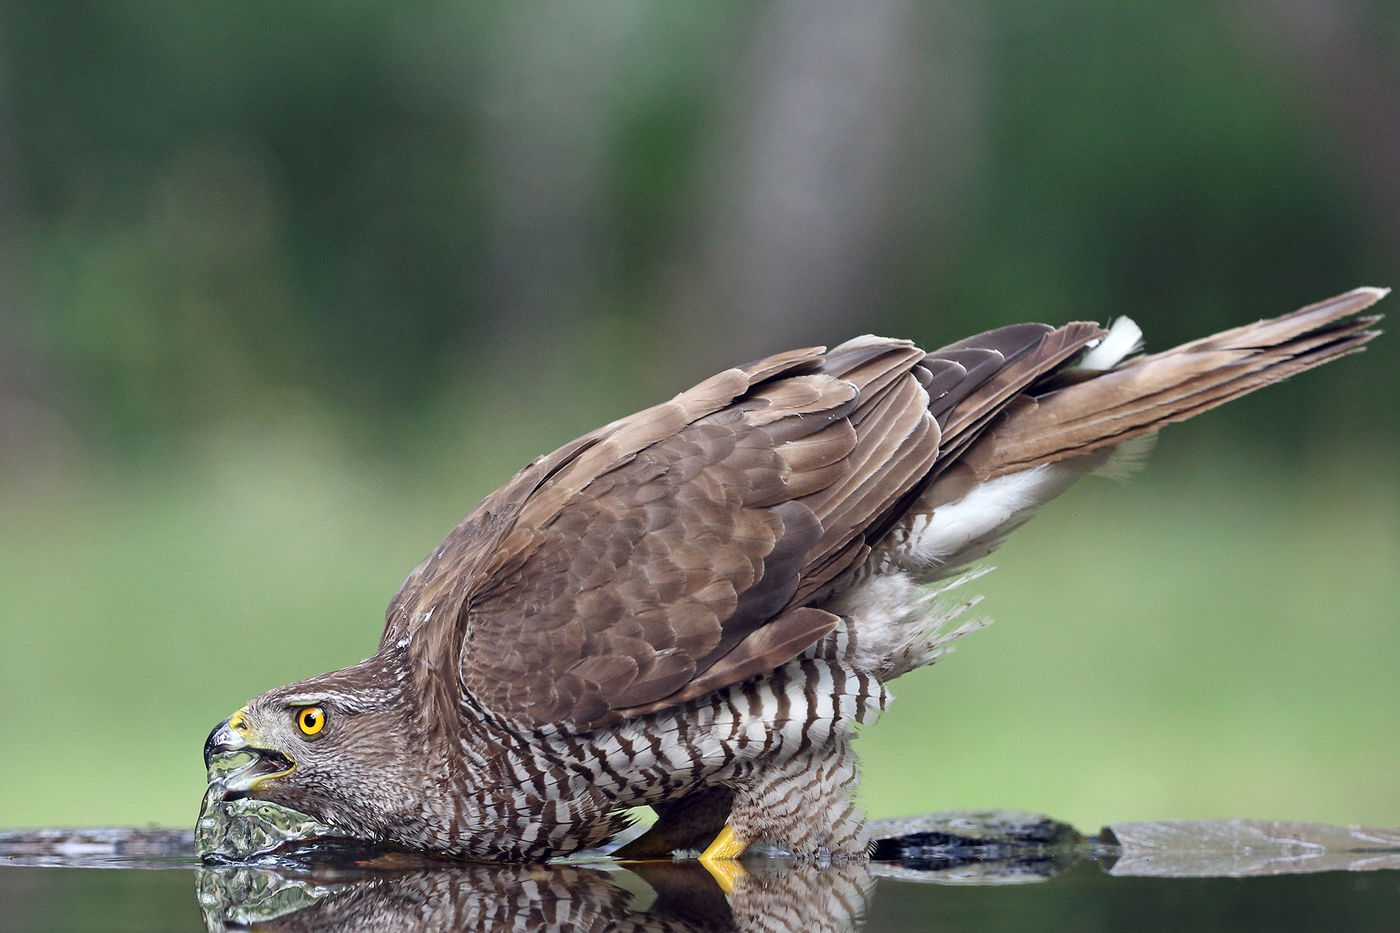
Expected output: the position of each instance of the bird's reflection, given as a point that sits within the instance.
(582, 897)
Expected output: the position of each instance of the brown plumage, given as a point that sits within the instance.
(697, 603)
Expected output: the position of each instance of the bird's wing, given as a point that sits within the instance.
(674, 552)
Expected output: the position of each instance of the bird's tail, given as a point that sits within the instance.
(1091, 410)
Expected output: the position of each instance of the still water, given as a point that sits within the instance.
(1201, 877)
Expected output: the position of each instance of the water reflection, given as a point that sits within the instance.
(956, 870)
(322, 883)
(669, 896)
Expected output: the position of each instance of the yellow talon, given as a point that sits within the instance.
(725, 848)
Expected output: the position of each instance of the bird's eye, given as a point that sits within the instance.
(311, 719)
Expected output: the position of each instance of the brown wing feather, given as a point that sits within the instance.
(683, 558)
(673, 552)
(528, 585)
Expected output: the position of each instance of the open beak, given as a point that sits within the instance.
(237, 761)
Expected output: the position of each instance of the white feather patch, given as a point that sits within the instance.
(1123, 339)
(870, 340)
(970, 527)
(899, 625)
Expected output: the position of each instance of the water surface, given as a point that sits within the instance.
(1224, 875)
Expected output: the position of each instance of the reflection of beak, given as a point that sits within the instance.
(237, 761)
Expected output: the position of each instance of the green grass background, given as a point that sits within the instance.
(1216, 637)
(285, 289)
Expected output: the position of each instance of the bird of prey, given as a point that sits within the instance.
(693, 607)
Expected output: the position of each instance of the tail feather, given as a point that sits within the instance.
(1142, 394)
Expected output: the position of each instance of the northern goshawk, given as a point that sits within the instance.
(693, 607)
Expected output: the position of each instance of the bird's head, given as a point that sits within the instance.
(335, 747)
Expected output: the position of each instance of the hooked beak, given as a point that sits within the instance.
(236, 760)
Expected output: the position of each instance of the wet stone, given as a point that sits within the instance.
(129, 847)
(961, 835)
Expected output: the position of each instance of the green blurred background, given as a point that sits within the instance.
(286, 288)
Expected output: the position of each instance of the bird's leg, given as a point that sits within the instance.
(802, 804)
(687, 822)
(727, 846)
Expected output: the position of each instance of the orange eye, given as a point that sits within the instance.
(311, 719)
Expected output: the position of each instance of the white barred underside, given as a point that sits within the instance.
(560, 791)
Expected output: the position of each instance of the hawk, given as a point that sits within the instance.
(693, 607)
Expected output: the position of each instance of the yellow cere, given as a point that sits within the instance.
(311, 719)
(239, 722)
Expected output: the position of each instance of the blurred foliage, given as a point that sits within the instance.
(285, 288)
(364, 204)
